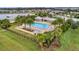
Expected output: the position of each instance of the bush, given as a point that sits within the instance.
(65, 27)
(5, 23)
(76, 16)
(70, 24)
(75, 25)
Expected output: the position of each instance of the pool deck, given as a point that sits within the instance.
(42, 22)
(36, 29)
(18, 28)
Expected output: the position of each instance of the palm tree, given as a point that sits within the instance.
(41, 39)
(21, 20)
(24, 21)
(56, 36)
(57, 32)
(33, 17)
(49, 38)
(29, 21)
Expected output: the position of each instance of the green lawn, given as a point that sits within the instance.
(70, 40)
(12, 41)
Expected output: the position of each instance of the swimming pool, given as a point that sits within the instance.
(40, 25)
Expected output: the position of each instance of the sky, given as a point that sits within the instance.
(39, 3)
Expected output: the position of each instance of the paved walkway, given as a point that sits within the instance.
(18, 28)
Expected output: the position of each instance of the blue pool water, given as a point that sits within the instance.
(40, 25)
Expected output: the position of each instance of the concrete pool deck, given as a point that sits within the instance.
(21, 29)
(35, 29)
(18, 28)
(42, 22)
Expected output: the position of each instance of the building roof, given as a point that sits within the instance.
(38, 18)
(45, 18)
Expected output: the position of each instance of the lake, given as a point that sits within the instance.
(11, 17)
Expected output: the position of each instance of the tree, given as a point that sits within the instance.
(65, 27)
(18, 20)
(24, 20)
(76, 16)
(41, 39)
(21, 20)
(69, 24)
(69, 21)
(29, 21)
(74, 25)
(5, 23)
(57, 32)
(50, 15)
(0, 23)
(55, 22)
(42, 14)
(58, 21)
(49, 38)
(56, 37)
(32, 16)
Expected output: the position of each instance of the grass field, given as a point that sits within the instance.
(11, 41)
(70, 40)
